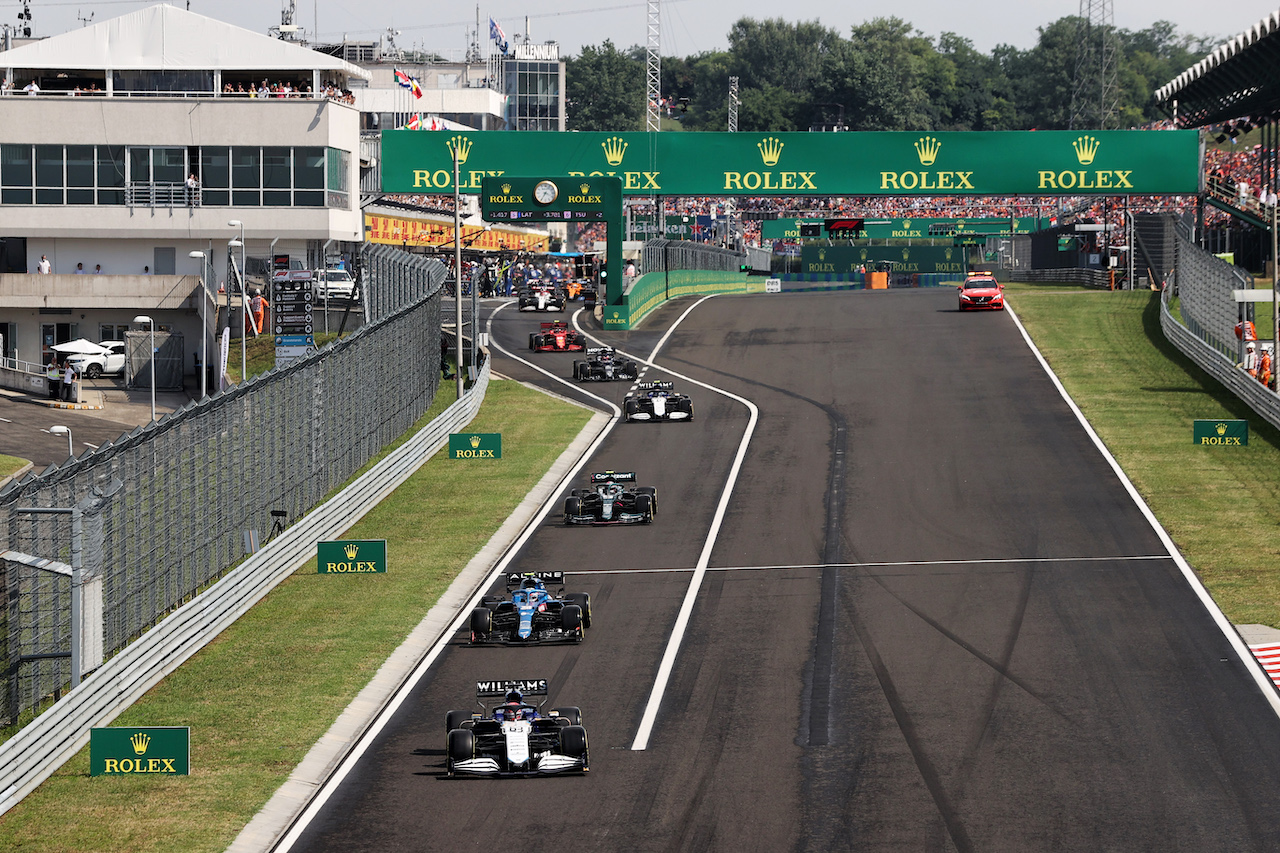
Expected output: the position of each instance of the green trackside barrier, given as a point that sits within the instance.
(653, 289)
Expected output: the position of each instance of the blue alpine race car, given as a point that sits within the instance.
(533, 613)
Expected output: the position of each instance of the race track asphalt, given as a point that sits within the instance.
(934, 621)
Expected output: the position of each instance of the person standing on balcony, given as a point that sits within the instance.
(44, 267)
(193, 191)
(32, 88)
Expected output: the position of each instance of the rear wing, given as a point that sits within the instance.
(598, 350)
(656, 386)
(614, 477)
(514, 579)
(527, 686)
(559, 324)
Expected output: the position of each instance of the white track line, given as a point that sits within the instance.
(695, 583)
(884, 565)
(1233, 637)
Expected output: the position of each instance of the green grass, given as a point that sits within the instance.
(10, 465)
(260, 695)
(1141, 395)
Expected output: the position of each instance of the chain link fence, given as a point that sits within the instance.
(660, 255)
(1203, 286)
(168, 508)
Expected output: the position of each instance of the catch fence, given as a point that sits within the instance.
(662, 255)
(166, 509)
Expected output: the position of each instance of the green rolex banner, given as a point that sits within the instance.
(1222, 433)
(905, 259)
(475, 445)
(124, 750)
(911, 229)
(1039, 163)
(351, 557)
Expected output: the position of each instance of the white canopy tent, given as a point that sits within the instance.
(168, 39)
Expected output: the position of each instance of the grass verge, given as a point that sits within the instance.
(1141, 395)
(264, 691)
(10, 465)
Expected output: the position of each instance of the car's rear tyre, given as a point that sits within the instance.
(455, 719)
(630, 371)
(583, 600)
(481, 623)
(573, 742)
(572, 713)
(533, 342)
(631, 408)
(644, 506)
(571, 619)
(572, 507)
(93, 371)
(578, 372)
(460, 746)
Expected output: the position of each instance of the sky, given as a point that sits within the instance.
(688, 26)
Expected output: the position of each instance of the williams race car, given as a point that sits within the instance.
(542, 296)
(657, 402)
(533, 614)
(609, 502)
(557, 337)
(604, 365)
(515, 738)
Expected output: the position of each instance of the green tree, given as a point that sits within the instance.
(604, 89)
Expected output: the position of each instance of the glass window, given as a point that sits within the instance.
(215, 176)
(277, 176)
(79, 174)
(169, 165)
(15, 165)
(308, 177)
(339, 163)
(140, 164)
(110, 174)
(49, 174)
(246, 176)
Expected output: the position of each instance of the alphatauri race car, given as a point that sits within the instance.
(557, 337)
(542, 296)
(656, 401)
(604, 365)
(608, 501)
(532, 614)
(515, 738)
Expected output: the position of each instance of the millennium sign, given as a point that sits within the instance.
(1038, 163)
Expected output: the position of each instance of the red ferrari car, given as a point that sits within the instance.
(981, 292)
(557, 337)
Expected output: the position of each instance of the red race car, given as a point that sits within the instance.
(981, 291)
(557, 337)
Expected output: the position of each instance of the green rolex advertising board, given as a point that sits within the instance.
(1042, 163)
(475, 445)
(905, 259)
(910, 229)
(152, 750)
(351, 557)
(1220, 433)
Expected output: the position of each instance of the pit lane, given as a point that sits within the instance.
(1002, 657)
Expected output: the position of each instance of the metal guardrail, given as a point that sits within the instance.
(1257, 396)
(1070, 275)
(160, 194)
(661, 255)
(43, 746)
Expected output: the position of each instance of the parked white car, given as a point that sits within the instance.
(108, 363)
(336, 284)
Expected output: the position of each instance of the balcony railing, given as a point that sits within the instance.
(160, 194)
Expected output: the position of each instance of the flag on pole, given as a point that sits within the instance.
(407, 82)
(497, 35)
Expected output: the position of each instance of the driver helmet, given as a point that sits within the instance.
(530, 583)
(515, 697)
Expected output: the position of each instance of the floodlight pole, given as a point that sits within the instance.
(457, 271)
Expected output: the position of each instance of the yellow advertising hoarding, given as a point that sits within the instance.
(398, 231)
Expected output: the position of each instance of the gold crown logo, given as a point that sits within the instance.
(351, 549)
(1015, 225)
(770, 150)
(1086, 149)
(614, 150)
(1222, 429)
(906, 223)
(864, 255)
(506, 189)
(906, 253)
(459, 147)
(822, 254)
(959, 224)
(585, 188)
(475, 442)
(927, 148)
(140, 741)
(948, 252)
(799, 222)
